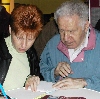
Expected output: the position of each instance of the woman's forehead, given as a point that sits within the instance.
(25, 33)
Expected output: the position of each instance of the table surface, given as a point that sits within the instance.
(88, 94)
(21, 93)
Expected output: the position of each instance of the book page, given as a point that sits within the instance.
(45, 87)
(21, 93)
(42, 89)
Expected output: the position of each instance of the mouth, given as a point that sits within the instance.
(69, 43)
(22, 50)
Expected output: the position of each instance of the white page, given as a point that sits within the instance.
(20, 93)
(45, 87)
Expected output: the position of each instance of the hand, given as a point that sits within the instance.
(70, 83)
(33, 82)
(2, 97)
(63, 69)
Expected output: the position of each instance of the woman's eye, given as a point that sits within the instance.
(30, 39)
(20, 38)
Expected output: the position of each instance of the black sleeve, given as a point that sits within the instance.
(4, 22)
(34, 62)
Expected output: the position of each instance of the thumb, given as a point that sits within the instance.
(26, 86)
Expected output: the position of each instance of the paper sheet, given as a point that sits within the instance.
(21, 93)
(45, 87)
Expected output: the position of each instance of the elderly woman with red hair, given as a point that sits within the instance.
(18, 58)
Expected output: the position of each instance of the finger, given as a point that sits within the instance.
(64, 87)
(62, 74)
(66, 67)
(34, 86)
(61, 86)
(38, 80)
(58, 84)
(28, 82)
(61, 83)
(26, 86)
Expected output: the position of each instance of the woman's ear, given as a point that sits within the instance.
(86, 26)
(9, 29)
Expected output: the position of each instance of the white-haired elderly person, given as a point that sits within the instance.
(71, 59)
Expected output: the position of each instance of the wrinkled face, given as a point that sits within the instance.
(22, 42)
(72, 33)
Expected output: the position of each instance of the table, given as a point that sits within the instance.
(44, 87)
(88, 94)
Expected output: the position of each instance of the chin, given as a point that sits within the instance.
(70, 47)
(21, 51)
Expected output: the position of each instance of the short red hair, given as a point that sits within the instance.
(26, 18)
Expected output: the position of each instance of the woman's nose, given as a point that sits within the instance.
(24, 44)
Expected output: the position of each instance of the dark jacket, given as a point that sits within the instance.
(5, 60)
(97, 26)
(4, 22)
(49, 29)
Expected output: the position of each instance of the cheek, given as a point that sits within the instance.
(30, 44)
(15, 43)
(79, 39)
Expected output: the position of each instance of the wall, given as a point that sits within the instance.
(95, 3)
(47, 6)
(95, 11)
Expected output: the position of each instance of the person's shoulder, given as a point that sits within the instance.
(3, 45)
(4, 53)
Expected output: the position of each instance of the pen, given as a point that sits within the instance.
(3, 92)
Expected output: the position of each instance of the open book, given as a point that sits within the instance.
(43, 88)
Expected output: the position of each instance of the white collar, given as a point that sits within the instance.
(73, 53)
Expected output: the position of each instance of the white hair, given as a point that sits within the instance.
(70, 8)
